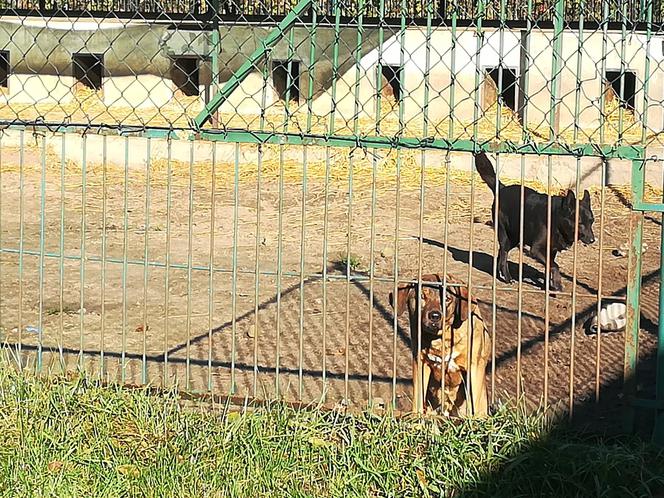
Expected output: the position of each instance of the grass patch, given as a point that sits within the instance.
(72, 437)
(345, 261)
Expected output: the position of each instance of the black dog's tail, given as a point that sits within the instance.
(486, 171)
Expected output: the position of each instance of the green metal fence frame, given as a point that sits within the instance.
(633, 153)
(639, 207)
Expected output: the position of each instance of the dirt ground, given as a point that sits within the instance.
(228, 331)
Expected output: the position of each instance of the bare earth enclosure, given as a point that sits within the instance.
(265, 318)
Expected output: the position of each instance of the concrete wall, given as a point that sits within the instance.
(138, 60)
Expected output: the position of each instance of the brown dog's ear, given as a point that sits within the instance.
(403, 293)
(462, 303)
(463, 306)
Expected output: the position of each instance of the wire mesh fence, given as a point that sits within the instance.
(594, 10)
(227, 204)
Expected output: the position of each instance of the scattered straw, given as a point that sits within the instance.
(88, 106)
(387, 169)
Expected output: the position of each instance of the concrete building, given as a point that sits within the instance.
(145, 64)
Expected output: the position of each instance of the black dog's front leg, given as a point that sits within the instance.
(503, 267)
(538, 252)
(556, 281)
(503, 249)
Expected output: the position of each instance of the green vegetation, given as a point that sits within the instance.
(73, 437)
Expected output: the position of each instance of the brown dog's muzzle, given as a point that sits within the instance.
(435, 308)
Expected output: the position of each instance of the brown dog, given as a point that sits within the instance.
(450, 344)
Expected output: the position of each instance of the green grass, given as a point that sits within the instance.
(353, 261)
(72, 437)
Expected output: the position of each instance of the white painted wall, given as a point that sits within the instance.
(144, 91)
(38, 89)
(494, 47)
(437, 61)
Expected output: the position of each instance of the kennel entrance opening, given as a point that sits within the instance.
(88, 70)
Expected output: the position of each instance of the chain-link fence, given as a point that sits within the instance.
(223, 195)
(573, 72)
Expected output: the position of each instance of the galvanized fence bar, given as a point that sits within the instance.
(125, 258)
(236, 224)
(61, 256)
(190, 256)
(257, 270)
(600, 271)
(146, 258)
(572, 356)
(84, 202)
(348, 262)
(104, 193)
(397, 198)
(372, 222)
(280, 232)
(326, 188)
(525, 40)
(211, 282)
(167, 259)
(21, 218)
(303, 246)
(42, 237)
(520, 290)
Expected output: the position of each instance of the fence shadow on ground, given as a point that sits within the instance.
(484, 263)
(384, 314)
(554, 459)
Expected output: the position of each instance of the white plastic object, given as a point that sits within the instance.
(612, 318)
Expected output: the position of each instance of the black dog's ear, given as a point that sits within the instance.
(570, 200)
(586, 197)
(403, 293)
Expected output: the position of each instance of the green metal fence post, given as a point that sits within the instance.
(215, 53)
(658, 432)
(633, 294)
(558, 19)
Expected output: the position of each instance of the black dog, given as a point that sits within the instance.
(535, 221)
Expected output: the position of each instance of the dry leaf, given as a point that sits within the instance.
(128, 470)
(317, 442)
(232, 416)
(421, 478)
(55, 466)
